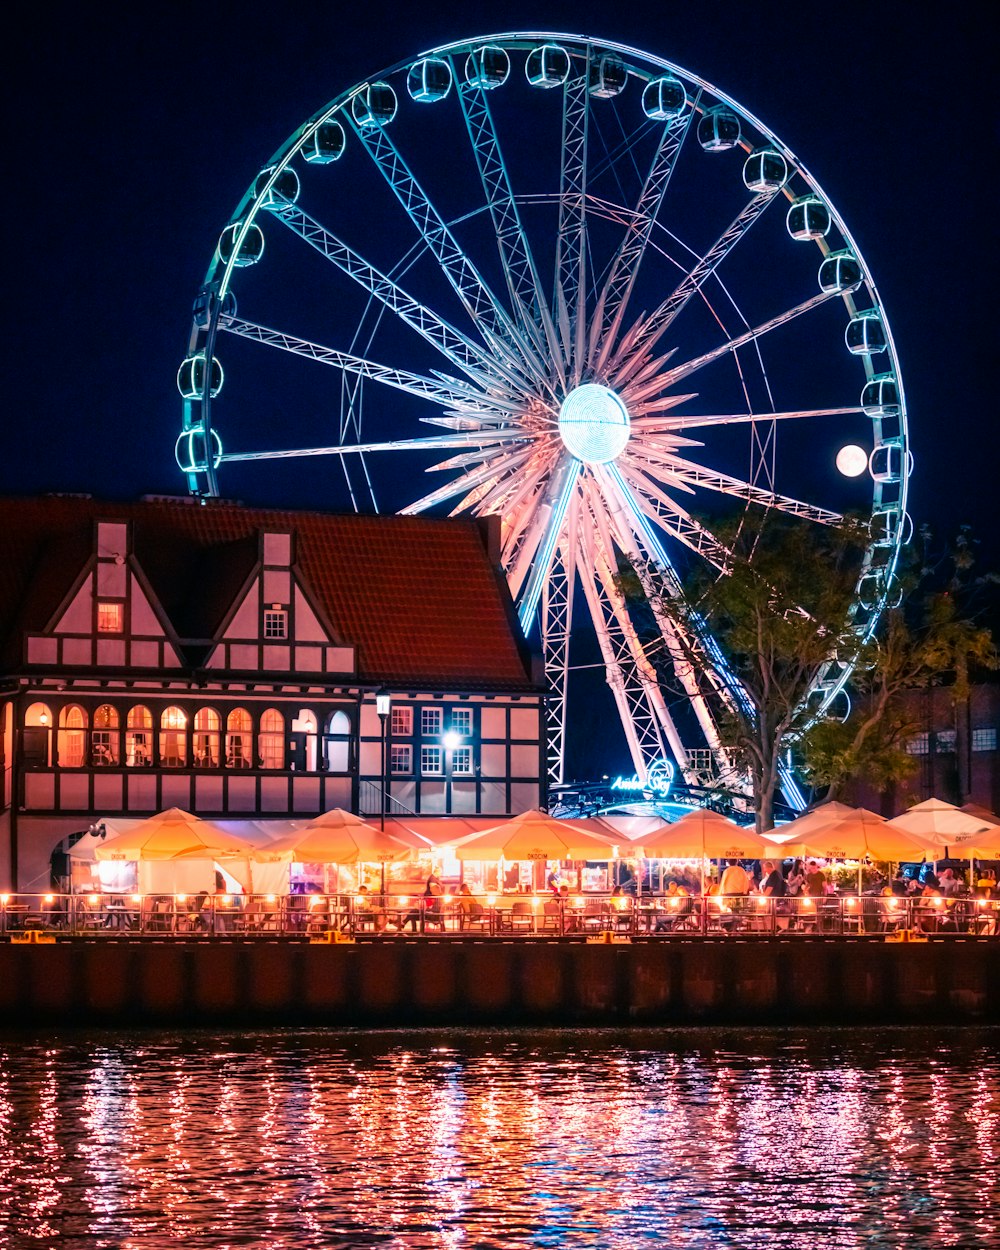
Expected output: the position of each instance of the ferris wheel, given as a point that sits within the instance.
(580, 288)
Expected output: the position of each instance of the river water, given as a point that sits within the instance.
(472, 1139)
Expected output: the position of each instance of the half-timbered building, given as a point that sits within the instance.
(226, 660)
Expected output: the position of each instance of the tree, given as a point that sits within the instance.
(935, 637)
(778, 612)
(781, 611)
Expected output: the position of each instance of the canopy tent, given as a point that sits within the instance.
(535, 835)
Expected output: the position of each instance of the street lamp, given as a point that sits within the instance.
(383, 706)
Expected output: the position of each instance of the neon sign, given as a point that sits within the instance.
(659, 779)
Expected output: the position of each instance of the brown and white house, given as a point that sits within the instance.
(225, 659)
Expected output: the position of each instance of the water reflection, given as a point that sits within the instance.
(839, 1138)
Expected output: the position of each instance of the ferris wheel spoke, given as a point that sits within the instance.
(449, 392)
(723, 483)
(614, 298)
(523, 281)
(672, 376)
(491, 497)
(654, 425)
(486, 473)
(476, 362)
(654, 325)
(546, 529)
(674, 519)
(479, 301)
(570, 284)
(486, 439)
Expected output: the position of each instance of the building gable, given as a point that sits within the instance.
(275, 624)
(110, 617)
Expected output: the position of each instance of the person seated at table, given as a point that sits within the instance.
(570, 920)
(469, 909)
(949, 884)
(433, 891)
(680, 905)
(367, 911)
(194, 921)
(552, 882)
(927, 912)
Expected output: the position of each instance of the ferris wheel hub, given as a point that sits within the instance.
(594, 424)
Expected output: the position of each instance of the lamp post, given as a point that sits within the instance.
(383, 706)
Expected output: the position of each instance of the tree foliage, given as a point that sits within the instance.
(778, 612)
(781, 611)
(937, 636)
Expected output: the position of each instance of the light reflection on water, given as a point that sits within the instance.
(427, 1139)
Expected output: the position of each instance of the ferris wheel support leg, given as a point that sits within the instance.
(633, 523)
(630, 676)
(557, 617)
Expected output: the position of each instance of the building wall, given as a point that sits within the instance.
(954, 750)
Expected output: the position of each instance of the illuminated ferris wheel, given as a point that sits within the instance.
(582, 289)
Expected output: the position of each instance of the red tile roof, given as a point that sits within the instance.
(420, 599)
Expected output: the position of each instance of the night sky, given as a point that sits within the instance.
(133, 140)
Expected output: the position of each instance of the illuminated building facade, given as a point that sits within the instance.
(226, 660)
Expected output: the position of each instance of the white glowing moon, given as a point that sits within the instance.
(852, 461)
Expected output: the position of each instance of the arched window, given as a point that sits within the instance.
(105, 739)
(271, 739)
(138, 737)
(337, 742)
(72, 736)
(207, 734)
(173, 738)
(37, 742)
(239, 738)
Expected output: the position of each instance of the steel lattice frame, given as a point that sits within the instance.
(626, 311)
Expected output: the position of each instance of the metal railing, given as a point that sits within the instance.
(42, 916)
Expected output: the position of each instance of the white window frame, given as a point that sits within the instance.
(984, 738)
(400, 759)
(431, 761)
(401, 721)
(431, 721)
(461, 721)
(945, 741)
(275, 617)
(461, 761)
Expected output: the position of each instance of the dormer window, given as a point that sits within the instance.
(275, 623)
(110, 617)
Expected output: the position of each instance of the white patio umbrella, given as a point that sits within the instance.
(940, 822)
(169, 835)
(340, 837)
(535, 835)
(703, 834)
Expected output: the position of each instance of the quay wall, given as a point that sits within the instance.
(403, 982)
